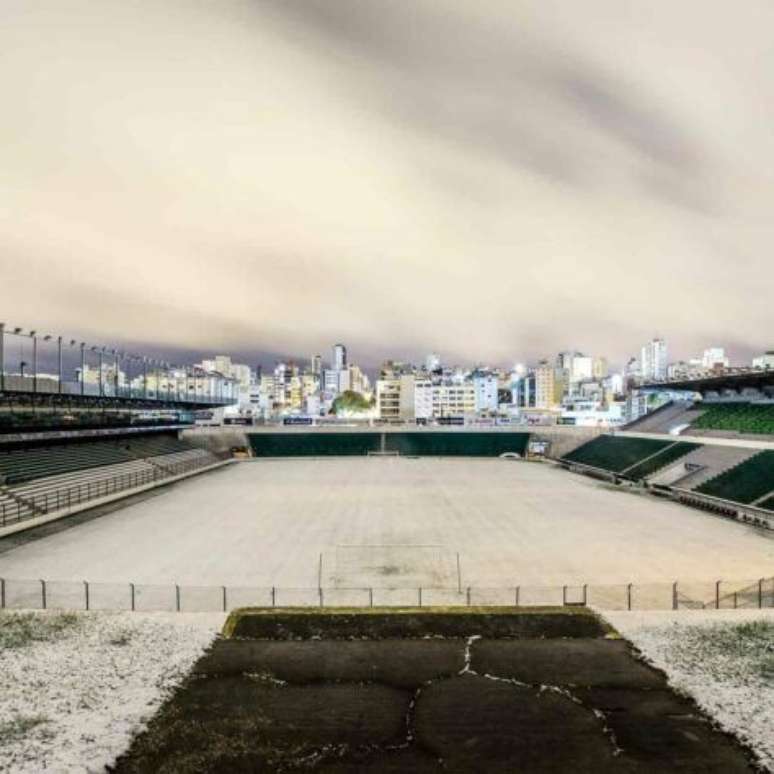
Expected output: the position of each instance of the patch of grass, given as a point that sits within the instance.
(739, 650)
(121, 638)
(20, 629)
(20, 726)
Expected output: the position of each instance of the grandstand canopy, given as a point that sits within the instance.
(726, 381)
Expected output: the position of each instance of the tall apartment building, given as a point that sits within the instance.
(550, 385)
(339, 357)
(454, 400)
(485, 392)
(653, 361)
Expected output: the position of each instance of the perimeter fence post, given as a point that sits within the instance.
(177, 598)
(370, 597)
(516, 591)
(43, 593)
(2, 593)
(628, 596)
(131, 595)
(585, 594)
(420, 596)
(674, 596)
(225, 604)
(273, 597)
(717, 595)
(564, 595)
(760, 593)
(86, 593)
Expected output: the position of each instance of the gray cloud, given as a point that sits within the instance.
(493, 180)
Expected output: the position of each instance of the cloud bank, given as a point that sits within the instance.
(495, 181)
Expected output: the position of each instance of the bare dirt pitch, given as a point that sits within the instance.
(479, 690)
(268, 522)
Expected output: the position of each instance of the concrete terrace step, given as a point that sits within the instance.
(710, 460)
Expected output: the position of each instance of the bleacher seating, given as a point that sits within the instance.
(32, 493)
(616, 453)
(663, 458)
(744, 483)
(27, 464)
(757, 418)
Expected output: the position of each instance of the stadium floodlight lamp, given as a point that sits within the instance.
(17, 330)
(47, 337)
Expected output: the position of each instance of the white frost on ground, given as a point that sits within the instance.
(71, 703)
(723, 659)
(264, 523)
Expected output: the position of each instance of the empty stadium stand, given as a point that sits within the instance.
(753, 418)
(700, 465)
(660, 459)
(748, 482)
(669, 417)
(616, 454)
(39, 480)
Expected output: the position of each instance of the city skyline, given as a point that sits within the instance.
(474, 180)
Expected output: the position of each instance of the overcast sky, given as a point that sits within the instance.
(492, 180)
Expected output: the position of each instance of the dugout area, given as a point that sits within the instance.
(427, 690)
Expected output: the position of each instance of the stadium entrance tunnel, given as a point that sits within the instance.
(418, 690)
(421, 443)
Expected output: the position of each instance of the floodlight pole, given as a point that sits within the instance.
(34, 363)
(83, 368)
(101, 364)
(2, 357)
(59, 362)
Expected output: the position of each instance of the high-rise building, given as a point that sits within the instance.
(766, 360)
(550, 385)
(339, 357)
(316, 365)
(714, 357)
(653, 361)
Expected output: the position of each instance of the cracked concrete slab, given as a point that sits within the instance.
(486, 725)
(652, 726)
(587, 662)
(406, 664)
(511, 694)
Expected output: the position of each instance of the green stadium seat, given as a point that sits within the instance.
(754, 418)
(744, 483)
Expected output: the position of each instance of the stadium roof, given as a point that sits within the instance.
(718, 381)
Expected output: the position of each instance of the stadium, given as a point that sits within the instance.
(113, 503)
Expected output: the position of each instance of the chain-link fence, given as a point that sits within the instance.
(678, 595)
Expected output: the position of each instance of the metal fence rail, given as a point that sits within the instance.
(23, 508)
(677, 595)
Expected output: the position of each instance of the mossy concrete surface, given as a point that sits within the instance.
(413, 622)
(418, 690)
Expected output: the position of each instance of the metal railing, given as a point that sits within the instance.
(24, 507)
(677, 595)
(749, 514)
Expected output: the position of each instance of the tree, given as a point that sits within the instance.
(350, 402)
